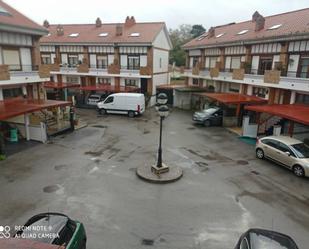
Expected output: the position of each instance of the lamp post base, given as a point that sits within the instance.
(158, 171)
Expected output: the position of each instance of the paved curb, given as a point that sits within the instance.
(144, 173)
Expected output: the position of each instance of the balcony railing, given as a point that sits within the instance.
(92, 66)
(130, 67)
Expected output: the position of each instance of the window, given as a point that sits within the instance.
(271, 143)
(104, 81)
(72, 60)
(302, 98)
(195, 82)
(72, 79)
(265, 64)
(12, 93)
(46, 59)
(11, 58)
(275, 27)
(213, 62)
(195, 61)
(133, 63)
(103, 34)
(243, 32)
(260, 92)
(234, 87)
(135, 34)
(285, 148)
(109, 100)
(244, 244)
(220, 35)
(235, 62)
(74, 35)
(102, 61)
(303, 71)
(130, 82)
(302, 150)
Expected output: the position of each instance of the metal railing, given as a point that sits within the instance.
(93, 66)
(130, 67)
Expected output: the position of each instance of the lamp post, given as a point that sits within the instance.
(163, 111)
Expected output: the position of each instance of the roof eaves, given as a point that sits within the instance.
(22, 29)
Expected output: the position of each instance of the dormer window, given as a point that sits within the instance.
(243, 32)
(4, 12)
(274, 27)
(74, 35)
(103, 34)
(135, 34)
(202, 37)
(218, 36)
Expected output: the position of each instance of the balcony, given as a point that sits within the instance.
(21, 74)
(269, 78)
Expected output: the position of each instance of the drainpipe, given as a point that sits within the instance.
(26, 119)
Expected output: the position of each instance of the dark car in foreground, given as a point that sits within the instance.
(265, 239)
(209, 117)
(55, 229)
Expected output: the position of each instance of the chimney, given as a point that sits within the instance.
(46, 24)
(60, 30)
(98, 23)
(255, 15)
(119, 30)
(259, 23)
(211, 32)
(130, 21)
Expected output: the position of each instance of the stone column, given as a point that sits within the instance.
(35, 52)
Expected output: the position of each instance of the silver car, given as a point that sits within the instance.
(285, 151)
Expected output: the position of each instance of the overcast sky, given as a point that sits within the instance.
(173, 12)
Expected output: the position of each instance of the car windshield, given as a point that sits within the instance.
(302, 150)
(210, 110)
(270, 241)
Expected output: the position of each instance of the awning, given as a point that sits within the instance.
(16, 107)
(60, 85)
(296, 112)
(109, 88)
(233, 98)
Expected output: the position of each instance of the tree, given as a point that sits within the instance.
(197, 30)
(179, 37)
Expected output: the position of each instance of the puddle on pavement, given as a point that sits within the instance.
(202, 166)
(147, 242)
(132, 169)
(100, 126)
(255, 172)
(146, 131)
(60, 167)
(51, 188)
(191, 128)
(242, 162)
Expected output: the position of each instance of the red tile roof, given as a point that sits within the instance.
(89, 33)
(293, 23)
(16, 19)
(232, 98)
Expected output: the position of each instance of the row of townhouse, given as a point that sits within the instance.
(265, 59)
(25, 110)
(266, 56)
(116, 54)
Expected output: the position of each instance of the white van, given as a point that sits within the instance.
(123, 103)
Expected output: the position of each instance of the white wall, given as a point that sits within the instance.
(164, 57)
(143, 60)
(276, 58)
(161, 41)
(1, 94)
(64, 58)
(93, 60)
(25, 54)
(159, 79)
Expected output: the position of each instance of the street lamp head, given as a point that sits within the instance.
(163, 111)
(162, 99)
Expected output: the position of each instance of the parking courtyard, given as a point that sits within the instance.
(90, 176)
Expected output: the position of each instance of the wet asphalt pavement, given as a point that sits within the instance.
(90, 175)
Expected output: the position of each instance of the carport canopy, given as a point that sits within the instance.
(294, 112)
(109, 88)
(232, 98)
(15, 107)
(60, 85)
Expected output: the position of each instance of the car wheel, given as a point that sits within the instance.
(259, 153)
(102, 111)
(298, 171)
(207, 123)
(131, 114)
